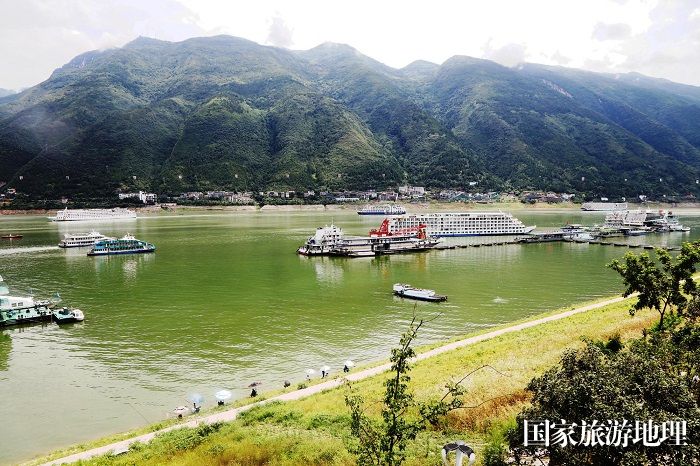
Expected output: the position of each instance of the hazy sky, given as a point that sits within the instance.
(656, 37)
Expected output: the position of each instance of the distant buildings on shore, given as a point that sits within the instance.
(405, 194)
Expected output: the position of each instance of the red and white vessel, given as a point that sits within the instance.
(331, 241)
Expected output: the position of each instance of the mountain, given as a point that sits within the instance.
(6, 92)
(227, 113)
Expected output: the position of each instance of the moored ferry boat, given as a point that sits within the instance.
(15, 310)
(22, 310)
(80, 240)
(126, 245)
(93, 214)
(461, 224)
(388, 209)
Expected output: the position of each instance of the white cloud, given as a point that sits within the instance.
(650, 36)
(38, 36)
(280, 34)
(507, 55)
(617, 31)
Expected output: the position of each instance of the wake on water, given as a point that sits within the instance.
(26, 250)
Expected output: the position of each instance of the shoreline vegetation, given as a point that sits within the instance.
(351, 207)
(314, 429)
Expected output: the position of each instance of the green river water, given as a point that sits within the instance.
(225, 301)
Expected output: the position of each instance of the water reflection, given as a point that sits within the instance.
(5, 348)
(328, 270)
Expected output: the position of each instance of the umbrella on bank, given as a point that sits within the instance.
(325, 368)
(180, 411)
(196, 398)
(310, 373)
(223, 395)
(349, 363)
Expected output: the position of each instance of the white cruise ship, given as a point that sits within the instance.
(93, 214)
(604, 206)
(80, 240)
(461, 224)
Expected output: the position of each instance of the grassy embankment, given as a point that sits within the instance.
(315, 430)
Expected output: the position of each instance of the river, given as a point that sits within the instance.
(225, 301)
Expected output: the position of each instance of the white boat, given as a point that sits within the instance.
(82, 239)
(93, 214)
(604, 206)
(407, 291)
(573, 228)
(580, 237)
(461, 224)
(388, 209)
(68, 316)
(636, 231)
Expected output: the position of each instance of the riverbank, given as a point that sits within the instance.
(412, 207)
(311, 426)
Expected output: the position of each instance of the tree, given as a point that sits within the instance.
(662, 285)
(402, 417)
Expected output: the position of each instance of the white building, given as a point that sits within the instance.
(146, 198)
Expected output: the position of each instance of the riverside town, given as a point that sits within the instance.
(286, 233)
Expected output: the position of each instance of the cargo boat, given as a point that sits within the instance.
(407, 291)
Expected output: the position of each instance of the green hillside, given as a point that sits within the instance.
(227, 113)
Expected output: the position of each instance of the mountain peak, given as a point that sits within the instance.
(142, 41)
(420, 69)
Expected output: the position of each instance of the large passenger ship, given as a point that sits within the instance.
(93, 214)
(461, 224)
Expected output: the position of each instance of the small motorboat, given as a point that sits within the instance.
(407, 291)
(11, 236)
(68, 316)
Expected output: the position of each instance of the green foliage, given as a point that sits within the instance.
(611, 345)
(384, 443)
(662, 285)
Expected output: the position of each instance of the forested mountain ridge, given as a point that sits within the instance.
(227, 113)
